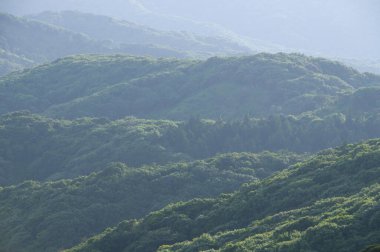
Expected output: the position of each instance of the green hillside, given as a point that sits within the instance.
(364, 101)
(40, 148)
(94, 164)
(60, 214)
(185, 126)
(72, 78)
(328, 203)
(118, 86)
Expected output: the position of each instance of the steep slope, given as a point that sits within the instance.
(39, 148)
(258, 85)
(333, 197)
(60, 214)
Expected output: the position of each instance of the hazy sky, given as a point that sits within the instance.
(343, 28)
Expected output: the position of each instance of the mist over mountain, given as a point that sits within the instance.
(345, 28)
(36, 39)
(229, 126)
(340, 28)
(119, 31)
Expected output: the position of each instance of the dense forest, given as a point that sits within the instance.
(327, 203)
(173, 134)
(40, 148)
(229, 88)
(131, 167)
(54, 215)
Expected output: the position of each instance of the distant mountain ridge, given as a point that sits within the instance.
(34, 42)
(120, 31)
(229, 88)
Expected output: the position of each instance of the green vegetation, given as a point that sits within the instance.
(75, 161)
(229, 88)
(35, 147)
(40, 148)
(328, 203)
(72, 78)
(48, 216)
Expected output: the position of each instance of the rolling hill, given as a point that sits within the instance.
(158, 128)
(55, 215)
(39, 148)
(328, 203)
(229, 88)
(25, 42)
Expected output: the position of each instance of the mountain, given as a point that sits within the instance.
(340, 28)
(123, 32)
(10, 62)
(56, 215)
(118, 86)
(140, 125)
(128, 10)
(317, 27)
(25, 42)
(41, 42)
(39, 148)
(371, 66)
(328, 203)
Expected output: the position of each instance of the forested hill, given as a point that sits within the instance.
(134, 133)
(25, 42)
(118, 86)
(40, 148)
(53, 215)
(328, 203)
